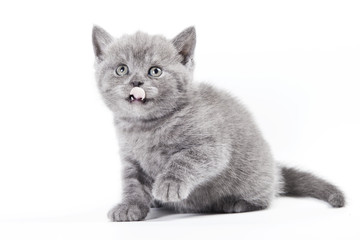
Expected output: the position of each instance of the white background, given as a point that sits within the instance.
(295, 64)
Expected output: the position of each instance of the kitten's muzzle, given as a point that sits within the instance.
(137, 94)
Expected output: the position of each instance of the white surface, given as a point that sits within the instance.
(295, 65)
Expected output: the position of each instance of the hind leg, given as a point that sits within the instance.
(236, 205)
(155, 204)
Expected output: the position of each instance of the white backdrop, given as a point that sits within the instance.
(295, 64)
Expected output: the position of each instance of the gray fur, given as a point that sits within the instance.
(189, 147)
(299, 183)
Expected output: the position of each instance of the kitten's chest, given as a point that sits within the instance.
(147, 148)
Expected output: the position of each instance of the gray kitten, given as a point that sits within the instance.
(186, 146)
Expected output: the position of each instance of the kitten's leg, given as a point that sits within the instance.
(236, 205)
(136, 195)
(185, 170)
(155, 204)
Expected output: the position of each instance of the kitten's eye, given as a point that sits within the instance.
(155, 72)
(122, 70)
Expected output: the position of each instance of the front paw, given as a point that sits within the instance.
(170, 190)
(128, 212)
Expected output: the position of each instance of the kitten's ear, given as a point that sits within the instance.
(185, 44)
(100, 39)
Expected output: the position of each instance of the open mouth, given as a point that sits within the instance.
(133, 99)
(137, 95)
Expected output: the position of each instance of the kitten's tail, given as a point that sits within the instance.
(299, 183)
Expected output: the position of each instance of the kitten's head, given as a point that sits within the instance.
(142, 76)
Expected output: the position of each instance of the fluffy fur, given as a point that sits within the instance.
(188, 147)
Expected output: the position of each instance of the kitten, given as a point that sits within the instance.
(186, 146)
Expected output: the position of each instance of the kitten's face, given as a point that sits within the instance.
(142, 76)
